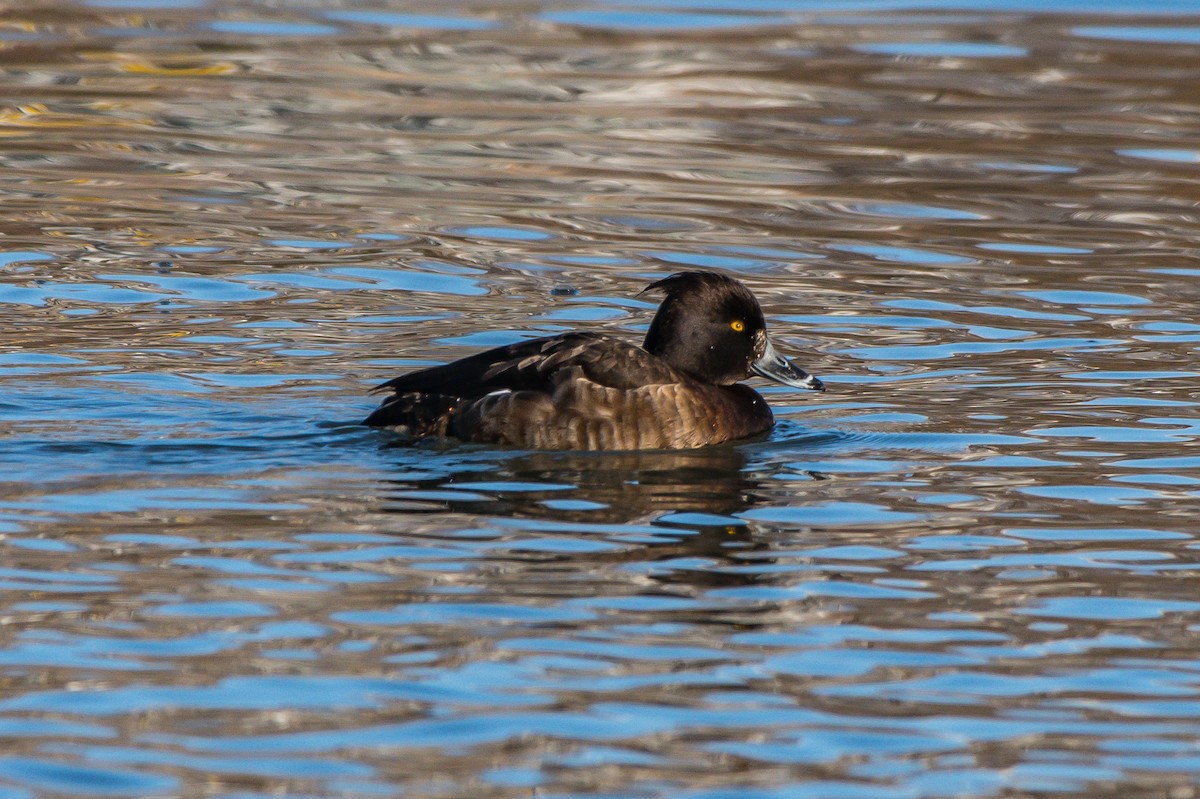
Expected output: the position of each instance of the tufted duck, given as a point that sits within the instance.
(590, 391)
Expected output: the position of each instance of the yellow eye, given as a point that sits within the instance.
(738, 325)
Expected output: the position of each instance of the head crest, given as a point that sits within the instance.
(679, 282)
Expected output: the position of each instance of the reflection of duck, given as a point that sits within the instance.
(629, 486)
(588, 391)
(666, 508)
(604, 488)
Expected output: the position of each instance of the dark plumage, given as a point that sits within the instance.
(678, 390)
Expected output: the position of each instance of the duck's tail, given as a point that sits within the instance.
(415, 414)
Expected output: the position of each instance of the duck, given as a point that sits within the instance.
(681, 389)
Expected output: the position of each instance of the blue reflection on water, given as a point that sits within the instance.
(824, 513)
(1083, 297)
(1049, 249)
(904, 254)
(1099, 607)
(1163, 153)
(1167, 34)
(59, 777)
(498, 232)
(944, 49)
(401, 20)
(271, 28)
(16, 256)
(651, 20)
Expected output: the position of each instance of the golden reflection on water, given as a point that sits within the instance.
(967, 569)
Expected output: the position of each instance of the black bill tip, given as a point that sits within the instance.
(774, 366)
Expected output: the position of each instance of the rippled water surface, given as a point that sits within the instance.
(969, 569)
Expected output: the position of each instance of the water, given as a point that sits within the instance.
(967, 569)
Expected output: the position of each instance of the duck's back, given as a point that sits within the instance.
(574, 391)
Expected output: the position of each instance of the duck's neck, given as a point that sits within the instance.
(665, 339)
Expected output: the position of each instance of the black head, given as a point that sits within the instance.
(711, 327)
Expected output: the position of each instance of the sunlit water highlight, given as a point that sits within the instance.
(968, 569)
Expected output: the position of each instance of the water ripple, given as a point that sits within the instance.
(965, 569)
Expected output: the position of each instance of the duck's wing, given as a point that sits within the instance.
(532, 366)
